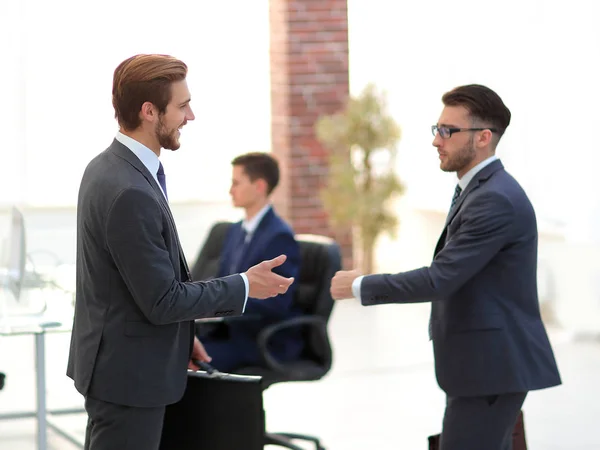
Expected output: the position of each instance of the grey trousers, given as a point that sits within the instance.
(480, 423)
(112, 426)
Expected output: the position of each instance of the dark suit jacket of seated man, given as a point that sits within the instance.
(234, 344)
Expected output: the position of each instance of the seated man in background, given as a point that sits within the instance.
(260, 236)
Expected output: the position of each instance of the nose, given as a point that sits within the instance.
(437, 140)
(190, 115)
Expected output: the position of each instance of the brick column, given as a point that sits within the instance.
(309, 78)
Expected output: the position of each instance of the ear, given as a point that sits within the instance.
(485, 138)
(148, 112)
(261, 185)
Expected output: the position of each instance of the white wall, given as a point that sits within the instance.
(540, 56)
(59, 115)
(12, 109)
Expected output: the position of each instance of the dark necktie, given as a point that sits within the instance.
(238, 252)
(457, 192)
(160, 175)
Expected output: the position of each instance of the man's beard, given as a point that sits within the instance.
(167, 139)
(461, 159)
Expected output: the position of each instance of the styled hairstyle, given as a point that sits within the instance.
(259, 165)
(483, 105)
(140, 79)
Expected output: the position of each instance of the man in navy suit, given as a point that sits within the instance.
(261, 233)
(490, 345)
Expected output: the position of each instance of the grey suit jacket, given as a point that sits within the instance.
(488, 336)
(135, 304)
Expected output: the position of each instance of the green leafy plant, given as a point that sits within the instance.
(361, 141)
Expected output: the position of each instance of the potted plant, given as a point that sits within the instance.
(361, 140)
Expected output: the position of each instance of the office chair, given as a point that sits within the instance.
(320, 260)
(206, 265)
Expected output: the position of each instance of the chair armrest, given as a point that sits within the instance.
(316, 322)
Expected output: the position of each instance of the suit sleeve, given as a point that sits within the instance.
(134, 235)
(485, 229)
(277, 307)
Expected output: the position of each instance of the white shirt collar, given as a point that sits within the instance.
(467, 177)
(251, 225)
(144, 154)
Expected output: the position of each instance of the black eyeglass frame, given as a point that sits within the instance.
(447, 132)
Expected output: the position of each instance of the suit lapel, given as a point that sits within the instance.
(123, 152)
(479, 178)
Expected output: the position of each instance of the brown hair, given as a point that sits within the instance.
(140, 79)
(259, 165)
(482, 103)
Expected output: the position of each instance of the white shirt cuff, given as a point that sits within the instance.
(245, 278)
(356, 287)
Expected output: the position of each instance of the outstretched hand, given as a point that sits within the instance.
(263, 283)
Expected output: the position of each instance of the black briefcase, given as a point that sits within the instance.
(219, 411)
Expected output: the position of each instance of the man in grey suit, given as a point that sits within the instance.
(490, 345)
(133, 331)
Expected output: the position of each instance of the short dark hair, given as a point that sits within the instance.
(259, 165)
(482, 103)
(140, 79)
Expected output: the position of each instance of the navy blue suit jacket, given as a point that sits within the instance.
(488, 336)
(272, 237)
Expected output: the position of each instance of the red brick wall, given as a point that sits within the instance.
(309, 78)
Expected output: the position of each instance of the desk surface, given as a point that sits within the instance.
(33, 324)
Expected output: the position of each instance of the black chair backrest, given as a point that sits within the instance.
(320, 260)
(209, 257)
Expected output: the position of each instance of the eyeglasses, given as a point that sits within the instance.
(446, 132)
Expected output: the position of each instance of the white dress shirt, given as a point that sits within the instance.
(463, 183)
(250, 225)
(150, 160)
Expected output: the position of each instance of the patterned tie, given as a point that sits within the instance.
(238, 252)
(457, 192)
(160, 175)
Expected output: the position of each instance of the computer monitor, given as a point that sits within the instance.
(17, 255)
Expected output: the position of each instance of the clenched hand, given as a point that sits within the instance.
(341, 284)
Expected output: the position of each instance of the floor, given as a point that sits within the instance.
(381, 393)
